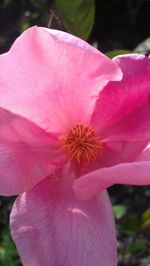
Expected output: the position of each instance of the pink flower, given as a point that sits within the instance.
(68, 122)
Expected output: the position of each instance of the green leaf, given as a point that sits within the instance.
(119, 211)
(24, 25)
(131, 225)
(146, 219)
(114, 53)
(77, 16)
(146, 215)
(137, 247)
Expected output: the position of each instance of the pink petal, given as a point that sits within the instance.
(115, 152)
(122, 111)
(53, 228)
(145, 155)
(42, 78)
(134, 127)
(136, 173)
(27, 153)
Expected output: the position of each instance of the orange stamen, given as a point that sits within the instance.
(81, 144)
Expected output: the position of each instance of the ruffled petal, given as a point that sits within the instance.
(27, 153)
(135, 173)
(53, 78)
(54, 228)
(123, 109)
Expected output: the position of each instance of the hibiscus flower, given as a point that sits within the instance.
(70, 128)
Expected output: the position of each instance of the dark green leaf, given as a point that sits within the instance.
(77, 16)
(131, 224)
(137, 247)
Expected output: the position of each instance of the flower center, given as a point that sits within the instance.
(81, 144)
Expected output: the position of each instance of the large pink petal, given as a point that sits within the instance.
(54, 228)
(122, 111)
(53, 78)
(135, 173)
(27, 153)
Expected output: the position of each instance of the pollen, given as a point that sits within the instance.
(81, 144)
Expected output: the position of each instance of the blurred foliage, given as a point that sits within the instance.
(8, 252)
(146, 220)
(114, 53)
(132, 213)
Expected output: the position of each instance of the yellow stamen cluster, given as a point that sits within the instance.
(81, 144)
